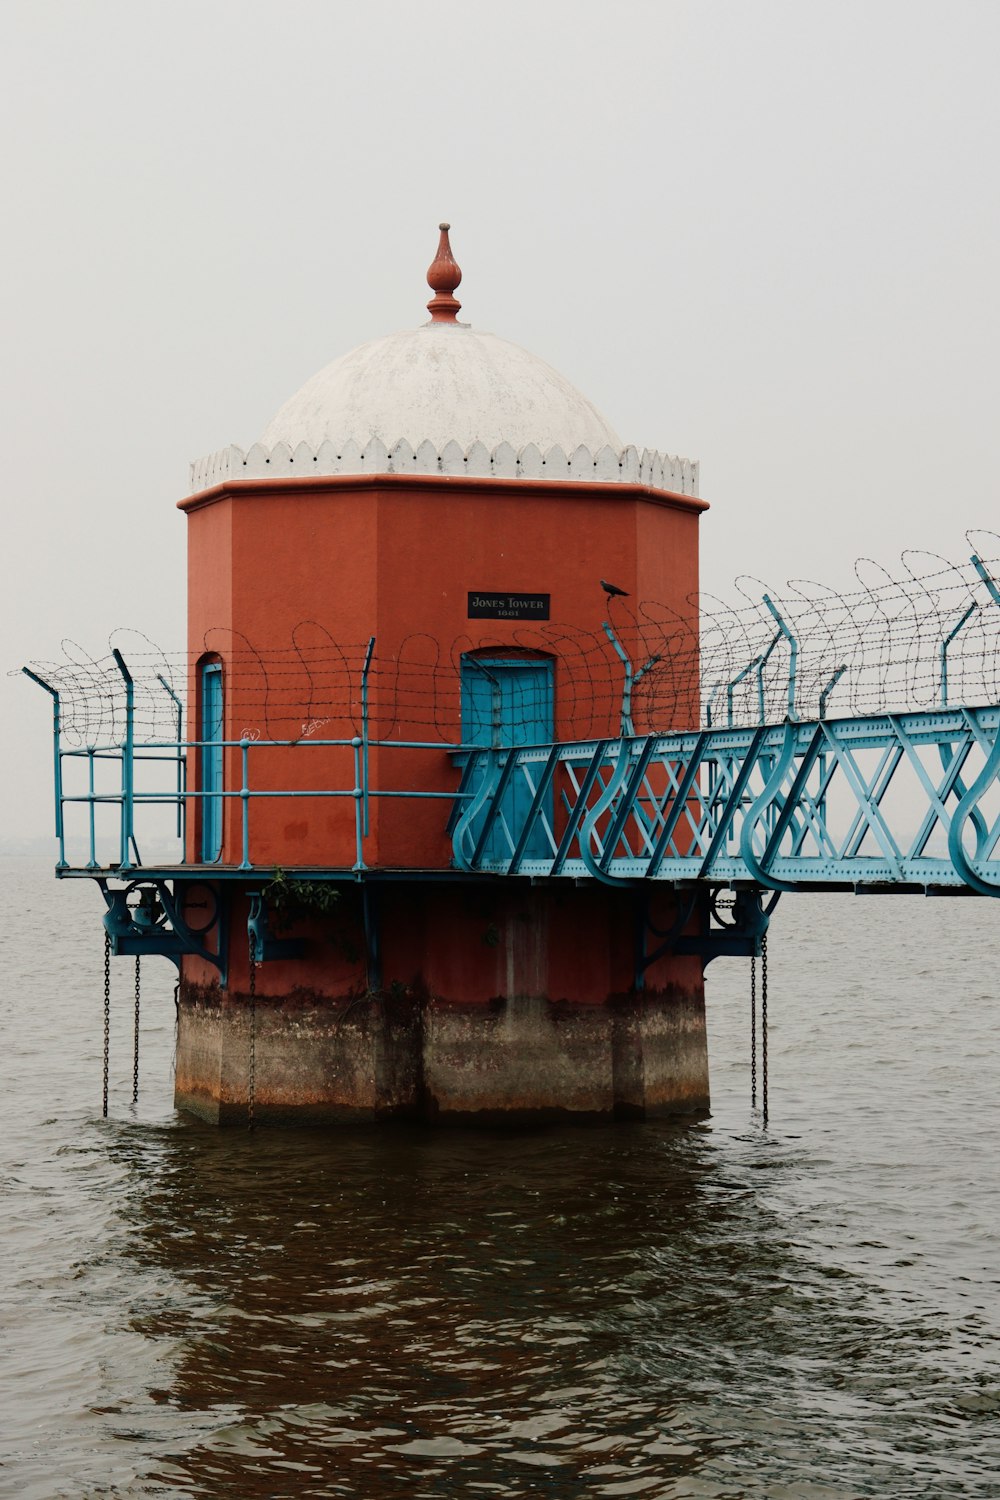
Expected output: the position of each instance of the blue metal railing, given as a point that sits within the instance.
(784, 805)
(893, 800)
(131, 800)
(57, 759)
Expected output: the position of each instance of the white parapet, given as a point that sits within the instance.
(660, 471)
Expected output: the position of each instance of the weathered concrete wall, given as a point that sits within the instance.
(315, 1060)
(532, 1059)
(495, 1002)
(521, 1059)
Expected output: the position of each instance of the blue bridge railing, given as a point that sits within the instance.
(907, 801)
(895, 801)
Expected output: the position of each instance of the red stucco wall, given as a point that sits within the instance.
(289, 579)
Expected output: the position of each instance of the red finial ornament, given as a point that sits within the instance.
(443, 276)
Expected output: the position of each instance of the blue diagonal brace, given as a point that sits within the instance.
(605, 800)
(537, 803)
(678, 805)
(934, 796)
(868, 809)
(579, 808)
(786, 816)
(953, 758)
(493, 810)
(734, 800)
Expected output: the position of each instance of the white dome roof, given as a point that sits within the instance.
(444, 382)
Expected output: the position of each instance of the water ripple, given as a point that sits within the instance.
(662, 1311)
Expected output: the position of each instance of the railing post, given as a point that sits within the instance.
(365, 734)
(944, 652)
(631, 678)
(92, 861)
(987, 578)
(793, 652)
(181, 763)
(762, 662)
(56, 759)
(245, 801)
(359, 862)
(829, 689)
(735, 683)
(821, 760)
(713, 766)
(626, 726)
(128, 763)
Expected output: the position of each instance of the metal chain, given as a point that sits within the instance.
(753, 1031)
(252, 1072)
(135, 1049)
(107, 1016)
(763, 1025)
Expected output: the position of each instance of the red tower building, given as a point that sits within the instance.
(410, 564)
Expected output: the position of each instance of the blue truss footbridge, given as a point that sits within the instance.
(770, 792)
(903, 802)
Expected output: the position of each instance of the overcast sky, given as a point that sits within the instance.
(762, 234)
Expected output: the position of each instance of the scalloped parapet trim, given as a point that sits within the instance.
(661, 471)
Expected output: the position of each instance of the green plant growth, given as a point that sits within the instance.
(289, 899)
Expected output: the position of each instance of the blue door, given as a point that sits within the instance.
(211, 762)
(508, 702)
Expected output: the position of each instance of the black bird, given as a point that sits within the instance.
(611, 589)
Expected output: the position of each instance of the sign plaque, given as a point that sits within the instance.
(500, 604)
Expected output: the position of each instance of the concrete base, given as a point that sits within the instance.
(517, 1060)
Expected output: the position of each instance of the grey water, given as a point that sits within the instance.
(709, 1309)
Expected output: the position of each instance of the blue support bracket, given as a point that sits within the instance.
(588, 836)
(265, 947)
(986, 838)
(145, 917)
(736, 935)
(484, 765)
(727, 925)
